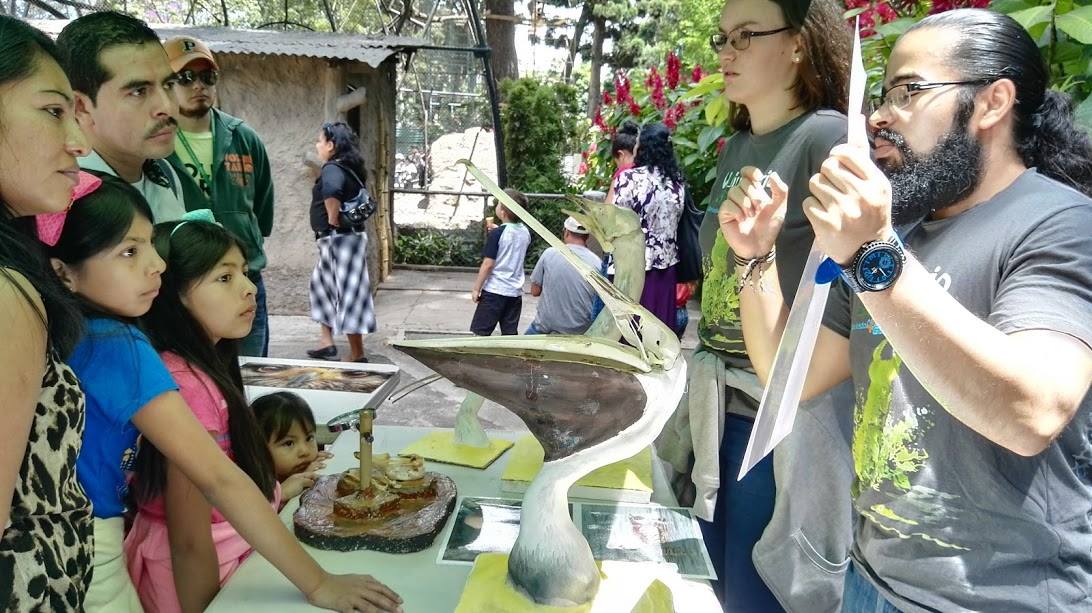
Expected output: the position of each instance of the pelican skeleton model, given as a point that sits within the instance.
(589, 400)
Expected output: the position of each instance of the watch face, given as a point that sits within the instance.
(879, 267)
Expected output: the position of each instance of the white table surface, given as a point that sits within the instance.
(425, 586)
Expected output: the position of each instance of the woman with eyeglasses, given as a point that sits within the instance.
(340, 290)
(786, 71)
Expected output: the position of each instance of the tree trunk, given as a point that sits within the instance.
(574, 44)
(500, 33)
(594, 85)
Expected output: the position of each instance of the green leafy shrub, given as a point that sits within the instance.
(430, 247)
(542, 122)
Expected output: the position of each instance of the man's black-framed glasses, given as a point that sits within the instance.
(187, 76)
(739, 39)
(899, 95)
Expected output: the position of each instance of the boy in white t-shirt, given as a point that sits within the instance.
(498, 290)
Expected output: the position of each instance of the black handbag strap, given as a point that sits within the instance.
(350, 171)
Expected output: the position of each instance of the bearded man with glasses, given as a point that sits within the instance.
(223, 166)
(964, 321)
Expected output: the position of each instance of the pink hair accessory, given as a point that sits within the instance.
(50, 225)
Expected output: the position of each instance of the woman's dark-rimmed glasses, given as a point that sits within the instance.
(739, 39)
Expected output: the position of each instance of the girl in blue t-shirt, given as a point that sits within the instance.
(105, 256)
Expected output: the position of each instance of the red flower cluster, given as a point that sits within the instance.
(607, 100)
(621, 88)
(599, 122)
(674, 68)
(873, 15)
(697, 74)
(674, 115)
(655, 84)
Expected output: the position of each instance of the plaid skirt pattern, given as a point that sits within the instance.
(340, 290)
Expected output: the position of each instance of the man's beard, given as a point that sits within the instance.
(197, 111)
(923, 184)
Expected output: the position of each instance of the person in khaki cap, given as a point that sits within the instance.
(222, 166)
(564, 298)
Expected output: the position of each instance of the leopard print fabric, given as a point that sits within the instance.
(45, 554)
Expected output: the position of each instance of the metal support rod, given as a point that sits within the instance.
(366, 439)
(491, 86)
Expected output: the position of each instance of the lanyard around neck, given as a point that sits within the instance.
(196, 162)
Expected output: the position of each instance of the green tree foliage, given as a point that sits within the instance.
(542, 122)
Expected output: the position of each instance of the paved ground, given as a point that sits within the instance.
(419, 304)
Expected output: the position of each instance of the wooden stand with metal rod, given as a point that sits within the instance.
(384, 503)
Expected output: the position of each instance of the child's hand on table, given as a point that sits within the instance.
(355, 593)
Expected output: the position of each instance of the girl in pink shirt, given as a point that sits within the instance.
(205, 303)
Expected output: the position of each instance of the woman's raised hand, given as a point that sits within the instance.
(750, 219)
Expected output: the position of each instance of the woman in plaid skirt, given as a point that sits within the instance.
(341, 295)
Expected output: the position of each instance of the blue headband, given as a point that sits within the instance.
(199, 215)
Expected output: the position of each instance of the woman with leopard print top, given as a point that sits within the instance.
(45, 548)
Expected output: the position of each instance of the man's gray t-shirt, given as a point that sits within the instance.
(949, 520)
(795, 151)
(566, 302)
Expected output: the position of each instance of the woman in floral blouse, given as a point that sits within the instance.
(655, 190)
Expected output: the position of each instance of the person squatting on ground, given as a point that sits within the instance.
(565, 298)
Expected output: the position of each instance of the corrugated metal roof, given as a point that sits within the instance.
(353, 47)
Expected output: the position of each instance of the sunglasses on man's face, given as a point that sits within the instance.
(187, 77)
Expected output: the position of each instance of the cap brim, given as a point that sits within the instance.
(180, 62)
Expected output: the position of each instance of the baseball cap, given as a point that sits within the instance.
(572, 225)
(182, 50)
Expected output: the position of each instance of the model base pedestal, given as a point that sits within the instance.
(411, 527)
(625, 588)
(441, 447)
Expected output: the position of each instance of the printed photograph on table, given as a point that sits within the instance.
(319, 378)
(482, 525)
(646, 533)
